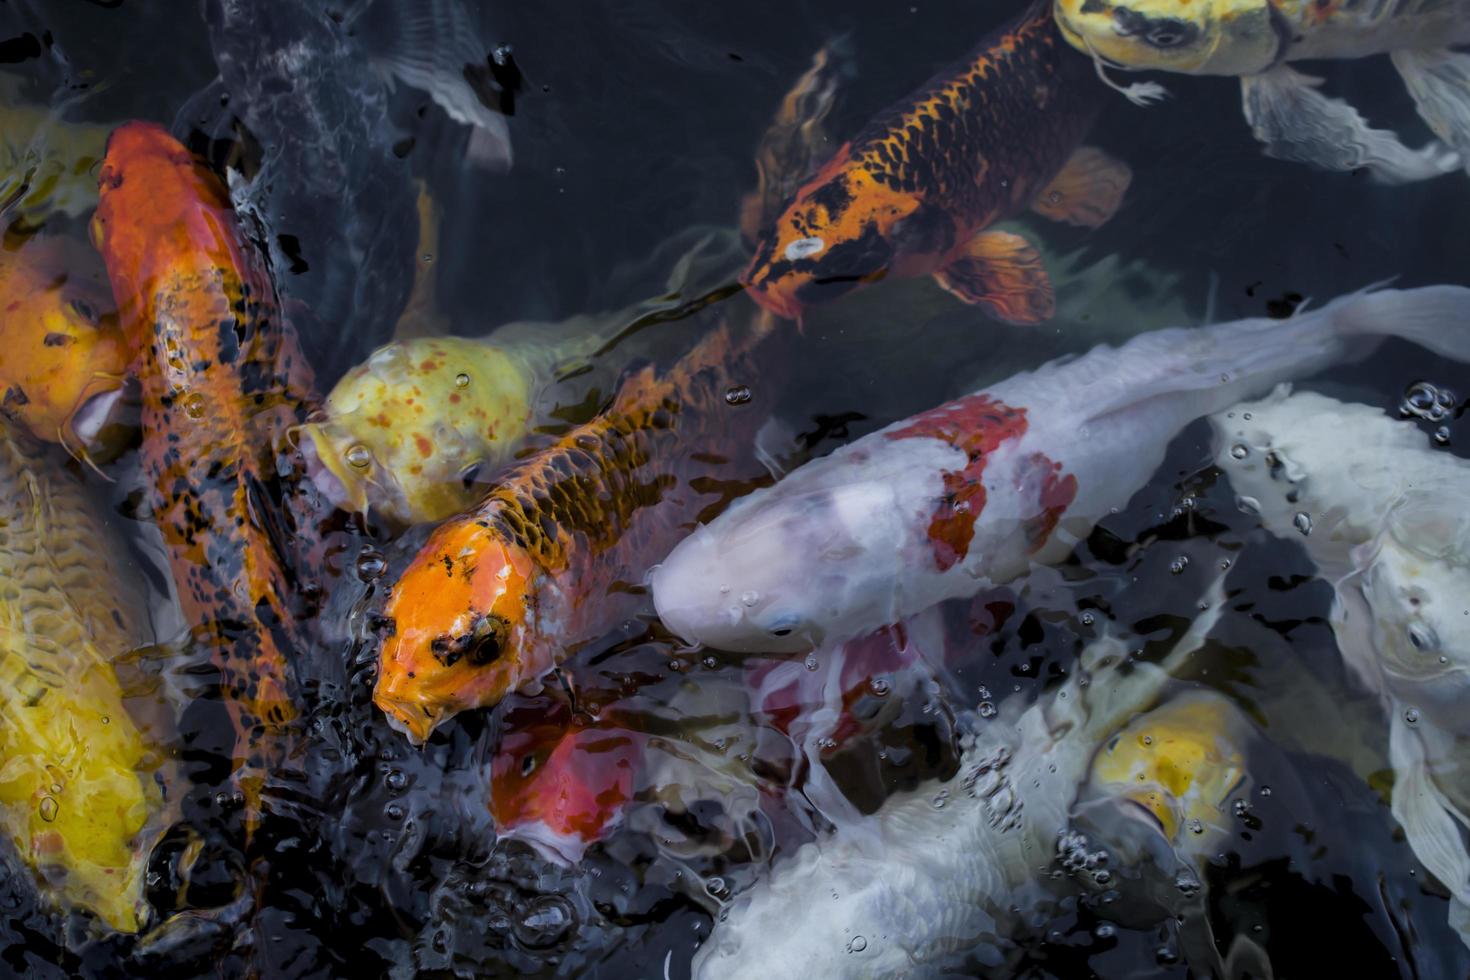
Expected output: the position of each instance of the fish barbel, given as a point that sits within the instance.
(972, 493)
(914, 192)
(222, 382)
(77, 795)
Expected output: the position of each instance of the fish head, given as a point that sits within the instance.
(781, 573)
(62, 357)
(458, 625)
(836, 235)
(1158, 793)
(1210, 37)
(414, 430)
(1415, 579)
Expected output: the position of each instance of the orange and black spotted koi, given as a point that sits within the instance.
(222, 381)
(554, 557)
(914, 192)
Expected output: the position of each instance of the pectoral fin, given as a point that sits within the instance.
(1002, 272)
(1298, 123)
(1087, 192)
(1439, 81)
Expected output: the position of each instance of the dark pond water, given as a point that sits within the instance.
(634, 122)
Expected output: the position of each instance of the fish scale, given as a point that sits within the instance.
(74, 795)
(222, 382)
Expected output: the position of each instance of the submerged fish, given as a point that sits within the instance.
(419, 430)
(77, 795)
(972, 493)
(914, 192)
(1060, 785)
(222, 382)
(334, 200)
(552, 558)
(47, 165)
(1254, 39)
(1386, 519)
(62, 357)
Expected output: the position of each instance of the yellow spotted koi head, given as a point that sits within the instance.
(412, 431)
(1195, 37)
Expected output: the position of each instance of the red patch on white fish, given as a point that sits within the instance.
(574, 779)
(1057, 494)
(975, 425)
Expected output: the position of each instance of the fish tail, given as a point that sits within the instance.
(1436, 318)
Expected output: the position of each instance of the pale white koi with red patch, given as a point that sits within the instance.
(968, 495)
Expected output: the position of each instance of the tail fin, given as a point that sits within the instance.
(1436, 318)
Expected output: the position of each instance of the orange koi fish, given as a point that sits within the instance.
(62, 356)
(222, 381)
(914, 192)
(500, 595)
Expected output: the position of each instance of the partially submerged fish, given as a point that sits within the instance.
(222, 383)
(972, 493)
(914, 192)
(552, 558)
(919, 882)
(62, 356)
(77, 795)
(1254, 39)
(1383, 515)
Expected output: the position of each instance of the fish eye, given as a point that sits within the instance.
(487, 640)
(85, 310)
(1423, 638)
(784, 626)
(1168, 34)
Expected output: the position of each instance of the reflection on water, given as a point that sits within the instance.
(603, 824)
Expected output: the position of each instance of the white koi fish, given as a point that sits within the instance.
(1386, 519)
(972, 493)
(1060, 784)
(1254, 40)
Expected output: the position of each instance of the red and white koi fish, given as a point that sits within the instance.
(972, 493)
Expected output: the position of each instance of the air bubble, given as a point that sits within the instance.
(1239, 451)
(49, 808)
(194, 406)
(987, 709)
(1302, 522)
(750, 598)
(1178, 565)
(396, 780)
(717, 888)
(461, 380)
(371, 565)
(1248, 505)
(1412, 716)
(737, 394)
(358, 456)
(811, 663)
(1088, 618)
(545, 922)
(393, 811)
(879, 686)
(857, 944)
(1442, 435)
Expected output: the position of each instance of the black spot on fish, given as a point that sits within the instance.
(17, 49)
(846, 264)
(15, 397)
(58, 339)
(834, 197)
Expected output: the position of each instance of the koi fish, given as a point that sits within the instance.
(1384, 520)
(222, 382)
(47, 165)
(77, 796)
(558, 784)
(895, 893)
(551, 559)
(417, 432)
(1255, 40)
(914, 193)
(972, 493)
(62, 357)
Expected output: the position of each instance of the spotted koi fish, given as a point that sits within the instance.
(914, 193)
(973, 493)
(554, 556)
(221, 382)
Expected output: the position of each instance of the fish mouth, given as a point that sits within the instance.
(93, 414)
(414, 720)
